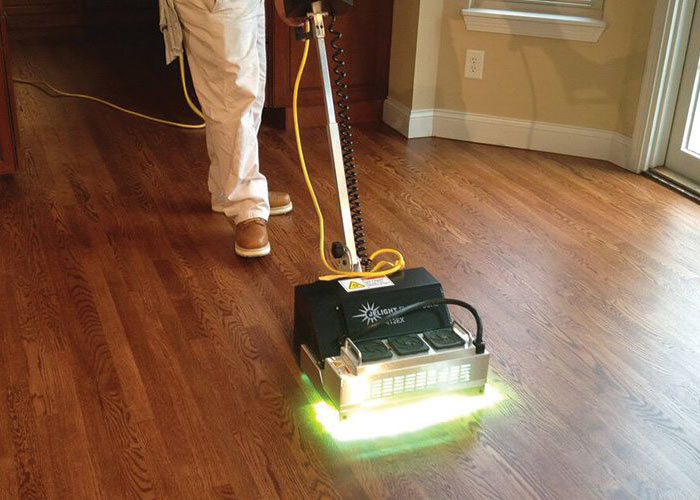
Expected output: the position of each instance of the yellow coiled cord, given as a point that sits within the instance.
(40, 83)
(382, 268)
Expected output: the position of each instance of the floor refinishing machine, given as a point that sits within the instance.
(371, 334)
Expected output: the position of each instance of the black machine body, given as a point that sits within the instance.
(372, 343)
(326, 312)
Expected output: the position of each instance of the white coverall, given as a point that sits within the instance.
(225, 42)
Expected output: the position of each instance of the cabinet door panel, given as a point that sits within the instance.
(30, 4)
(366, 42)
(115, 4)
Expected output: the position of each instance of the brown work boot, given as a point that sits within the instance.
(251, 238)
(280, 203)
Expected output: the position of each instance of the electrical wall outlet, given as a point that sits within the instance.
(474, 68)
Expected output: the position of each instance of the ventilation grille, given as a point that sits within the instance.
(418, 381)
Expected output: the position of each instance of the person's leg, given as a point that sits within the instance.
(280, 202)
(262, 64)
(224, 39)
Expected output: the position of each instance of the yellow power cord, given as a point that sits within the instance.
(39, 83)
(376, 271)
(382, 268)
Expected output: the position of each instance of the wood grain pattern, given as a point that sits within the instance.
(140, 358)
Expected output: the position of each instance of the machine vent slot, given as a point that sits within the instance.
(417, 381)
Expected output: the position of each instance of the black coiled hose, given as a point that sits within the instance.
(350, 167)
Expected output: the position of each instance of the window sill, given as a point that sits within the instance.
(583, 29)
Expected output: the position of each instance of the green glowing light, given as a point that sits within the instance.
(410, 417)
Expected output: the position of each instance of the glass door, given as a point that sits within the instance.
(683, 157)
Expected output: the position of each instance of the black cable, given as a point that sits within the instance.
(478, 341)
(346, 142)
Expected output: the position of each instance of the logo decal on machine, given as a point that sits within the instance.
(370, 313)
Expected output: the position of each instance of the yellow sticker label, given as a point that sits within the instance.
(357, 285)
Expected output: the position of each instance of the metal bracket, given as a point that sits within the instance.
(316, 18)
(463, 332)
(353, 349)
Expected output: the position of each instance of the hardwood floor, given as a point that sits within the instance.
(140, 358)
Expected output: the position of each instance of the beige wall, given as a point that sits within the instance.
(592, 85)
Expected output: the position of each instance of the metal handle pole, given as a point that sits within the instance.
(319, 33)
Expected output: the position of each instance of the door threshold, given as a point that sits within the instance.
(677, 182)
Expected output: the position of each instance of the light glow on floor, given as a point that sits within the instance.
(407, 418)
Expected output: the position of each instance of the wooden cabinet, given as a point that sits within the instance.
(9, 149)
(81, 13)
(366, 40)
(367, 43)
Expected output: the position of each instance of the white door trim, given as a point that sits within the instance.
(662, 77)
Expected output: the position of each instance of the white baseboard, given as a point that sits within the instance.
(511, 132)
(411, 124)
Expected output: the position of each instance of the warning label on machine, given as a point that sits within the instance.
(359, 284)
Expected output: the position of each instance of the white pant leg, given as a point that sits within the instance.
(262, 62)
(225, 43)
